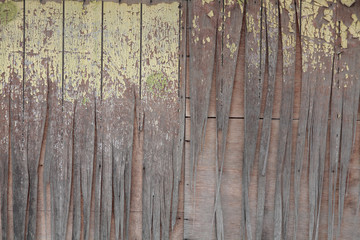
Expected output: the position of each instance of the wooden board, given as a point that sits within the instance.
(82, 82)
(11, 41)
(92, 106)
(121, 79)
(19, 166)
(159, 88)
(42, 55)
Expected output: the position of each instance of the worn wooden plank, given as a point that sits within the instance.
(54, 149)
(228, 40)
(160, 99)
(325, 55)
(253, 94)
(203, 17)
(271, 26)
(348, 71)
(317, 66)
(283, 165)
(11, 54)
(179, 151)
(82, 64)
(13, 19)
(120, 88)
(59, 149)
(41, 52)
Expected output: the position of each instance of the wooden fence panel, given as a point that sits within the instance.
(101, 101)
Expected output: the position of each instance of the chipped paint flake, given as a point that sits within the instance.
(348, 3)
(206, 1)
(343, 34)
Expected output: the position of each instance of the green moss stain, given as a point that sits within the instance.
(157, 84)
(8, 11)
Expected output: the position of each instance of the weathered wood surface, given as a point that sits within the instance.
(11, 88)
(254, 79)
(81, 91)
(160, 102)
(203, 20)
(228, 41)
(283, 164)
(92, 101)
(20, 180)
(120, 90)
(271, 28)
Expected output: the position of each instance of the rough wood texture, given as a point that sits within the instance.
(254, 79)
(82, 79)
(271, 28)
(283, 165)
(20, 176)
(93, 116)
(120, 90)
(11, 42)
(40, 51)
(228, 40)
(203, 18)
(159, 90)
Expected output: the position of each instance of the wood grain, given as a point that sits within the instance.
(160, 101)
(82, 79)
(120, 90)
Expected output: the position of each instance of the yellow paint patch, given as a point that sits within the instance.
(121, 35)
(348, 3)
(160, 49)
(43, 47)
(211, 14)
(8, 12)
(11, 50)
(206, 1)
(82, 56)
(322, 3)
(354, 28)
(343, 34)
(232, 47)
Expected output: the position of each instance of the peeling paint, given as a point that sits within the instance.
(348, 3)
(81, 51)
(343, 34)
(206, 1)
(354, 28)
(232, 47)
(122, 34)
